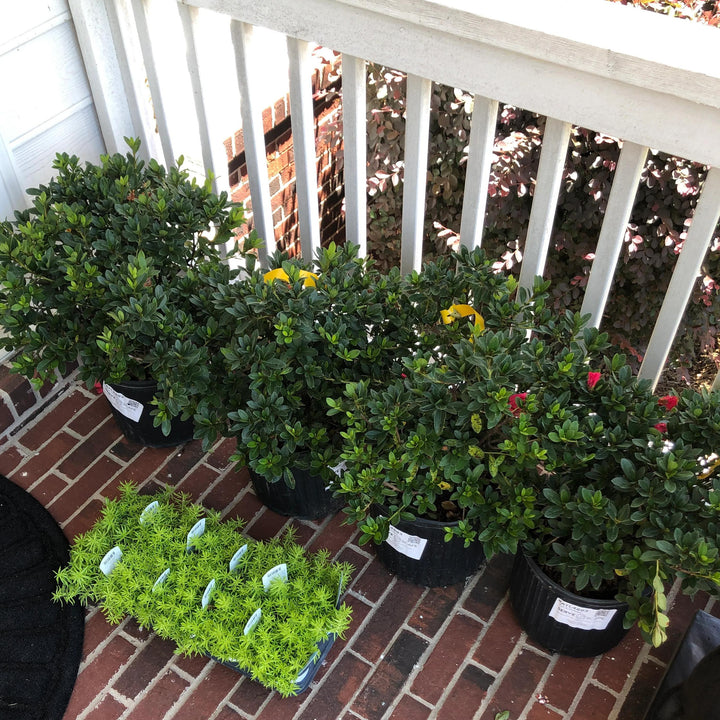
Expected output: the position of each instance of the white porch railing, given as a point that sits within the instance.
(650, 80)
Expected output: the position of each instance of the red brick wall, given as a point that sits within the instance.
(281, 163)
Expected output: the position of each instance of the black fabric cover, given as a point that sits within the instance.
(690, 689)
(40, 640)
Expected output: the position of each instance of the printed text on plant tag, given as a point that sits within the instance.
(580, 617)
(410, 545)
(124, 405)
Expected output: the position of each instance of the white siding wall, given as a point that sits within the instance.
(46, 102)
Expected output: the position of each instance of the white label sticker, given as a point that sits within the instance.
(580, 617)
(235, 559)
(124, 405)
(410, 545)
(252, 622)
(195, 532)
(111, 559)
(149, 511)
(279, 572)
(161, 579)
(208, 594)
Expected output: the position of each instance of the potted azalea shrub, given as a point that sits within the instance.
(112, 266)
(423, 466)
(626, 500)
(302, 330)
(267, 609)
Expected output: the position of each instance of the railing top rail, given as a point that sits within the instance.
(628, 73)
(606, 39)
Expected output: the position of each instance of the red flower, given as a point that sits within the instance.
(98, 388)
(592, 379)
(668, 401)
(513, 402)
(661, 427)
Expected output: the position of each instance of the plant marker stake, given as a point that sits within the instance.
(196, 531)
(161, 579)
(149, 511)
(235, 560)
(279, 572)
(208, 594)
(252, 622)
(111, 559)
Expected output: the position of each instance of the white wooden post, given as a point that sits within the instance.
(547, 189)
(617, 215)
(355, 151)
(209, 86)
(699, 236)
(302, 118)
(153, 79)
(479, 163)
(103, 67)
(15, 196)
(417, 130)
(253, 138)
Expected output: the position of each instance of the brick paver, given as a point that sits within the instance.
(411, 653)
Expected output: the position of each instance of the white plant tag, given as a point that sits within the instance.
(124, 405)
(279, 572)
(339, 469)
(161, 579)
(235, 559)
(111, 559)
(252, 622)
(305, 671)
(339, 592)
(196, 531)
(580, 617)
(149, 511)
(207, 595)
(410, 545)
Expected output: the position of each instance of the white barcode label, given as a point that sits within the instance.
(410, 545)
(580, 617)
(124, 405)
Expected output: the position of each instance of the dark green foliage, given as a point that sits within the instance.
(295, 615)
(114, 264)
(665, 201)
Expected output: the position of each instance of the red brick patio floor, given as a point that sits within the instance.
(411, 652)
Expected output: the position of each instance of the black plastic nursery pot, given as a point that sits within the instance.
(417, 551)
(560, 620)
(310, 499)
(130, 402)
(306, 675)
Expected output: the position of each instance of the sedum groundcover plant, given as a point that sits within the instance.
(178, 581)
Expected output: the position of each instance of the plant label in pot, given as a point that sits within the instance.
(410, 545)
(279, 572)
(196, 531)
(236, 558)
(111, 559)
(582, 618)
(251, 624)
(124, 405)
